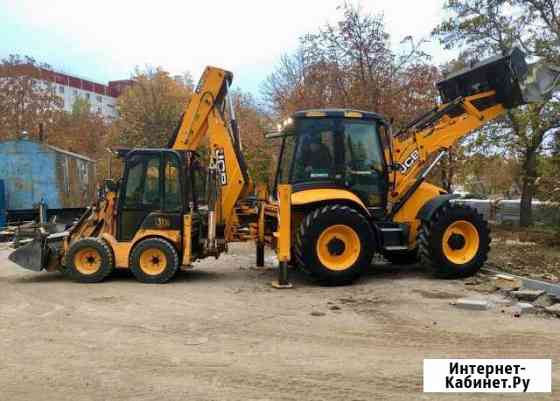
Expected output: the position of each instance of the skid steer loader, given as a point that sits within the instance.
(346, 187)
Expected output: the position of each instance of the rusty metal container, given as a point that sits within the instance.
(35, 172)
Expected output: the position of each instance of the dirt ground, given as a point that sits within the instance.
(527, 252)
(220, 332)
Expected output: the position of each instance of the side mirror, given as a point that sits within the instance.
(111, 185)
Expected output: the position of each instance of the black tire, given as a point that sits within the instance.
(431, 242)
(315, 224)
(401, 258)
(89, 260)
(163, 270)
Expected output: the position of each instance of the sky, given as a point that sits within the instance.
(106, 40)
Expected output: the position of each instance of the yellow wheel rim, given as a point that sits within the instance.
(338, 247)
(87, 261)
(460, 242)
(153, 261)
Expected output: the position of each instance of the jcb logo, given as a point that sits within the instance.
(221, 166)
(409, 162)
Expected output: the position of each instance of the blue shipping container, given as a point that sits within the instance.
(2, 204)
(34, 171)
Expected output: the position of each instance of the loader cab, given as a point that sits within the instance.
(340, 149)
(156, 183)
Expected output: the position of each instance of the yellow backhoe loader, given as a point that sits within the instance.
(168, 210)
(346, 187)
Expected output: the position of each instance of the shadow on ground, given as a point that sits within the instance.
(377, 271)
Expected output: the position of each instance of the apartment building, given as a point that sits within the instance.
(101, 97)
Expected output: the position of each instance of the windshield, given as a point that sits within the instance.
(330, 148)
(343, 151)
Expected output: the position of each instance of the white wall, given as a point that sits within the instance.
(106, 105)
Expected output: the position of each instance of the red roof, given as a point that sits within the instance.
(113, 89)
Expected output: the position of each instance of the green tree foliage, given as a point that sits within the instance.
(480, 28)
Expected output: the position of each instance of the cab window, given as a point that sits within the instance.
(142, 186)
(173, 195)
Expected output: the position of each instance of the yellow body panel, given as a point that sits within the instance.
(122, 250)
(409, 211)
(284, 223)
(324, 194)
(187, 239)
(417, 148)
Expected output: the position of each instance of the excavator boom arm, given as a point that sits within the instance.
(413, 151)
(472, 97)
(204, 124)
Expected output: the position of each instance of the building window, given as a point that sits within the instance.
(87, 96)
(61, 89)
(75, 92)
(99, 99)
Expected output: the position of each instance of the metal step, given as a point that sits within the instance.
(394, 248)
(391, 229)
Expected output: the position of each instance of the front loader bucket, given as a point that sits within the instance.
(500, 74)
(42, 253)
(515, 82)
(31, 256)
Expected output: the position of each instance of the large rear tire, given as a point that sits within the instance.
(154, 261)
(89, 260)
(455, 242)
(335, 244)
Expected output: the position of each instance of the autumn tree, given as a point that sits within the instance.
(480, 28)
(350, 64)
(252, 121)
(150, 110)
(28, 98)
(81, 131)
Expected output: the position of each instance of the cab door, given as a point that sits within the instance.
(141, 194)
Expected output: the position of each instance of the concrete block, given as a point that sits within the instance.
(523, 308)
(504, 282)
(527, 295)
(544, 300)
(471, 304)
(554, 309)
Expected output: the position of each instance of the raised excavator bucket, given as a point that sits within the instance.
(516, 83)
